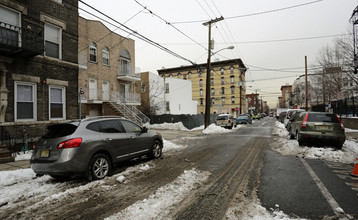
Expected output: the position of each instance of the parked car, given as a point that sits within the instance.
(292, 119)
(226, 121)
(281, 116)
(256, 116)
(317, 128)
(289, 115)
(243, 119)
(92, 146)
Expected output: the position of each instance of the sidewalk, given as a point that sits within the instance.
(22, 164)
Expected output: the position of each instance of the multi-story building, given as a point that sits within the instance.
(107, 71)
(38, 67)
(286, 96)
(165, 95)
(227, 85)
(253, 103)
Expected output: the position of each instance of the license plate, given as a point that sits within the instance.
(322, 127)
(45, 153)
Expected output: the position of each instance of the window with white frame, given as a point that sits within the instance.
(10, 26)
(233, 100)
(222, 71)
(93, 52)
(232, 70)
(200, 82)
(189, 75)
(232, 79)
(105, 56)
(223, 100)
(57, 102)
(201, 92)
(125, 63)
(53, 41)
(25, 104)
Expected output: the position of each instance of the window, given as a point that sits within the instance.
(233, 100)
(184, 76)
(222, 81)
(212, 102)
(93, 52)
(212, 81)
(231, 70)
(25, 105)
(130, 127)
(212, 73)
(143, 86)
(201, 92)
(166, 87)
(201, 101)
(10, 27)
(222, 90)
(223, 100)
(53, 39)
(189, 75)
(110, 126)
(57, 102)
(105, 56)
(232, 89)
(232, 79)
(200, 73)
(167, 106)
(212, 91)
(200, 82)
(179, 75)
(222, 71)
(125, 63)
(171, 75)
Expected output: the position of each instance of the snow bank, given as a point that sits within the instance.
(285, 146)
(213, 129)
(172, 126)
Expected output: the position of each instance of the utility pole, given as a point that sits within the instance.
(306, 83)
(207, 95)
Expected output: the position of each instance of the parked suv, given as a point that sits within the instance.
(92, 146)
(318, 127)
(225, 120)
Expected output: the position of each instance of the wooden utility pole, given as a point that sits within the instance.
(207, 95)
(306, 83)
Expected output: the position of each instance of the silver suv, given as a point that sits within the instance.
(92, 146)
(225, 120)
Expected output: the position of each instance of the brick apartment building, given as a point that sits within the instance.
(226, 85)
(38, 67)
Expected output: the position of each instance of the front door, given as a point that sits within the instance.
(92, 89)
(105, 91)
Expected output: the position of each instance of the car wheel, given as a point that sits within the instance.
(99, 167)
(156, 150)
(298, 139)
(338, 146)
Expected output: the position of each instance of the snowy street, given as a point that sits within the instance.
(213, 174)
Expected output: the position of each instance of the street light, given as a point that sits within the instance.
(208, 71)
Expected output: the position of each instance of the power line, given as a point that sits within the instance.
(253, 14)
(135, 33)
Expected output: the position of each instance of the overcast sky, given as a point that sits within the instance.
(267, 35)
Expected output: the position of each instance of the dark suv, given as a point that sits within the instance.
(318, 127)
(92, 146)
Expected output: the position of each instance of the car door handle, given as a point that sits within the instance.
(108, 139)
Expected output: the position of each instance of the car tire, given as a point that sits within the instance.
(298, 139)
(156, 150)
(338, 146)
(99, 167)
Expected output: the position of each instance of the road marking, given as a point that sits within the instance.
(332, 202)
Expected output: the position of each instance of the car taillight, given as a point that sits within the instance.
(229, 121)
(342, 127)
(304, 123)
(34, 146)
(70, 143)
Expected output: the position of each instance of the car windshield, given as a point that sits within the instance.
(59, 130)
(222, 117)
(322, 118)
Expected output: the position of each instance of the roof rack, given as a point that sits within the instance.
(99, 117)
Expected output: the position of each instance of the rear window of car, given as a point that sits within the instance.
(322, 118)
(59, 130)
(223, 117)
(242, 117)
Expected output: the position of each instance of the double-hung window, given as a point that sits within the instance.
(93, 52)
(105, 56)
(57, 102)
(25, 101)
(53, 41)
(10, 27)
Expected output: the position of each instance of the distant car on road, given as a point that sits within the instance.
(92, 146)
(243, 119)
(318, 128)
(226, 121)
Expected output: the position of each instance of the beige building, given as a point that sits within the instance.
(106, 73)
(227, 85)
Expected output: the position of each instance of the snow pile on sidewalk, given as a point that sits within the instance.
(285, 146)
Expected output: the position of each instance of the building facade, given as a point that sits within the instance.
(38, 67)
(227, 85)
(286, 101)
(253, 103)
(107, 70)
(165, 95)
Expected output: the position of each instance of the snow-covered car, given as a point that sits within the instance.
(226, 121)
(91, 146)
(318, 128)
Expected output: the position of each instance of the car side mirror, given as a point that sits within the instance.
(144, 130)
